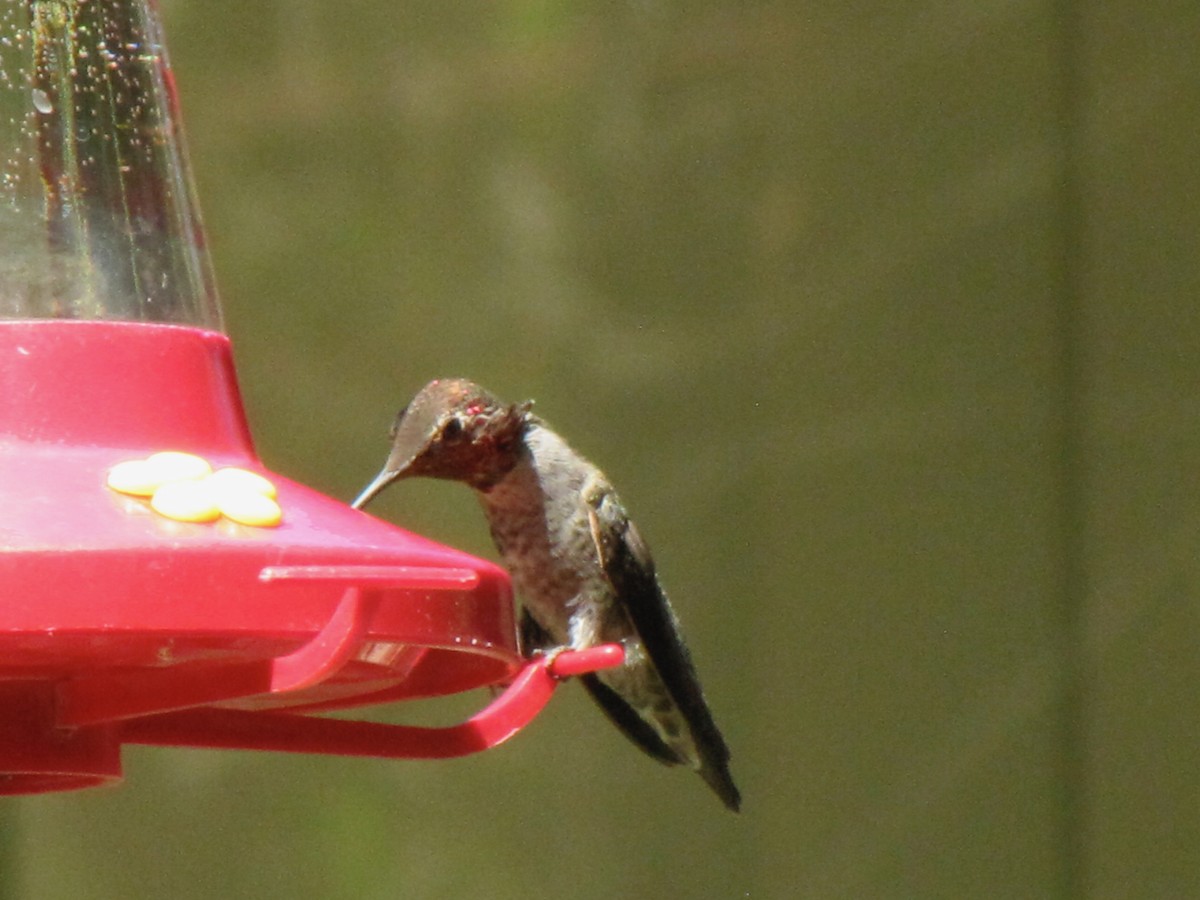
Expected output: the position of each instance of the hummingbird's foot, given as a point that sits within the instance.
(551, 655)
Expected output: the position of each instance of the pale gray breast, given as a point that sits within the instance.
(540, 525)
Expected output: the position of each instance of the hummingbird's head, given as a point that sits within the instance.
(453, 429)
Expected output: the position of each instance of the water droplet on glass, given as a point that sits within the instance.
(41, 101)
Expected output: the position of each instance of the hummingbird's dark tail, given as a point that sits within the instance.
(717, 777)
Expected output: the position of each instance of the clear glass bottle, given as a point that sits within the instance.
(98, 218)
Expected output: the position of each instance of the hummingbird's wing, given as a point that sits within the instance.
(629, 567)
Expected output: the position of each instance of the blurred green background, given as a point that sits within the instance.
(883, 318)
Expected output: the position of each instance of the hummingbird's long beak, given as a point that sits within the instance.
(382, 480)
(409, 447)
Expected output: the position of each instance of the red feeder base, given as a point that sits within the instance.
(120, 625)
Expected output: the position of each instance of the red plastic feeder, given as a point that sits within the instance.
(121, 624)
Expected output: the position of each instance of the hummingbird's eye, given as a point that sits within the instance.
(452, 429)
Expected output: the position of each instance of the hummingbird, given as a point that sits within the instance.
(580, 566)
